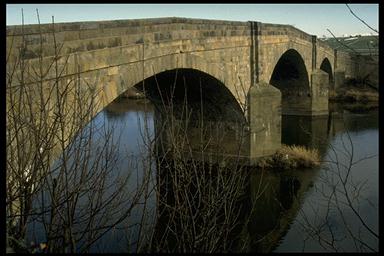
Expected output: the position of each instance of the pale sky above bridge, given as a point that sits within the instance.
(311, 18)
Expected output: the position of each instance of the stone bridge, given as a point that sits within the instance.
(259, 70)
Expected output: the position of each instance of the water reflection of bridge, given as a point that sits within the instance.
(221, 141)
(266, 216)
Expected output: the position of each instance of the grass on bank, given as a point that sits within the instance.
(355, 100)
(362, 95)
(354, 91)
(356, 96)
(291, 157)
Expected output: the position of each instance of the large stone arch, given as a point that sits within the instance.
(202, 92)
(195, 111)
(123, 77)
(211, 107)
(327, 67)
(290, 76)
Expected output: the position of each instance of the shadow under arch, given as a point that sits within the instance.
(290, 76)
(196, 112)
(327, 67)
(201, 92)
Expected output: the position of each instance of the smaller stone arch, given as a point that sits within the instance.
(290, 76)
(327, 67)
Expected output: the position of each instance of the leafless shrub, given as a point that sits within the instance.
(198, 201)
(62, 181)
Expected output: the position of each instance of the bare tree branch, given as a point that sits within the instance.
(366, 24)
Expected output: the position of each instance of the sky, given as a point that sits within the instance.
(313, 19)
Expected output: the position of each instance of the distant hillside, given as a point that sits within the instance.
(365, 45)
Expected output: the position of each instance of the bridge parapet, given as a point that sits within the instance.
(132, 23)
(325, 46)
(86, 36)
(280, 29)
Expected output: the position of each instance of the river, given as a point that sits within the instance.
(329, 208)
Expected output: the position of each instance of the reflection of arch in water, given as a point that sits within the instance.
(202, 197)
(309, 131)
(290, 76)
(317, 131)
(353, 122)
(275, 208)
(271, 201)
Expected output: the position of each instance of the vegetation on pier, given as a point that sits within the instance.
(291, 157)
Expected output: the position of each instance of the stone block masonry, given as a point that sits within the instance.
(114, 56)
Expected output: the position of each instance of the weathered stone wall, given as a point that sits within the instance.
(113, 50)
(347, 63)
(339, 79)
(319, 93)
(112, 55)
(324, 51)
(358, 66)
(264, 120)
(87, 36)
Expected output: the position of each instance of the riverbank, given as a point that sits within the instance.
(356, 96)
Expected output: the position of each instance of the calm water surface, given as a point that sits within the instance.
(363, 184)
(287, 217)
(303, 195)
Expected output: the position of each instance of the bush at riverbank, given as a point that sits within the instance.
(362, 95)
(291, 157)
(355, 91)
(356, 98)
